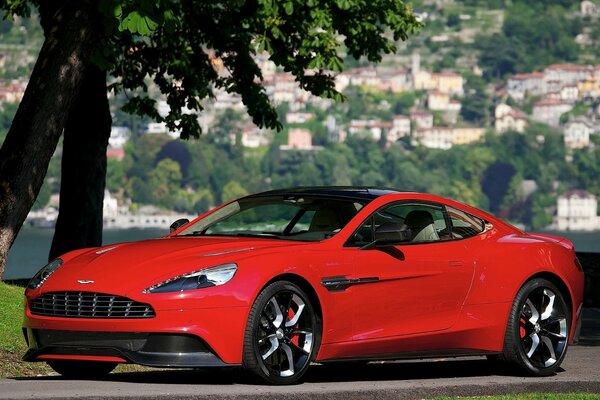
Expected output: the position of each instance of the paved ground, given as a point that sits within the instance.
(398, 380)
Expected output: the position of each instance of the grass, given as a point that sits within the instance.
(11, 316)
(12, 343)
(531, 396)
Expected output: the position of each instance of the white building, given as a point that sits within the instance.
(587, 7)
(466, 135)
(119, 135)
(569, 93)
(577, 211)
(521, 85)
(421, 119)
(567, 74)
(253, 137)
(548, 111)
(110, 207)
(509, 119)
(374, 128)
(400, 128)
(437, 100)
(298, 117)
(157, 128)
(577, 133)
(437, 137)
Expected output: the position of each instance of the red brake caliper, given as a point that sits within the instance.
(522, 331)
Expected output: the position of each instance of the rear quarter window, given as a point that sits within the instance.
(464, 225)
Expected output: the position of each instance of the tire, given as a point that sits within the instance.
(82, 369)
(283, 334)
(537, 332)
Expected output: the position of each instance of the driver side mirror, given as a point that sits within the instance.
(178, 224)
(389, 234)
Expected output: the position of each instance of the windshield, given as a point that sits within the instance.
(304, 218)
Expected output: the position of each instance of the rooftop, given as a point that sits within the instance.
(354, 192)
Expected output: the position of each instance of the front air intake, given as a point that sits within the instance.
(89, 305)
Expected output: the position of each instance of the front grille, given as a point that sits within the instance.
(89, 305)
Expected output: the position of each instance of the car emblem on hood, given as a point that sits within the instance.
(84, 282)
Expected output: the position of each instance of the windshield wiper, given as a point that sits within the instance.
(195, 233)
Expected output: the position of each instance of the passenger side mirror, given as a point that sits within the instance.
(389, 234)
(178, 224)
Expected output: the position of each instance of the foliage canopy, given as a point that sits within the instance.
(190, 49)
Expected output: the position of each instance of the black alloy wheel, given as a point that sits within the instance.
(282, 334)
(538, 329)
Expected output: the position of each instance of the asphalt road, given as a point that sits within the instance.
(393, 380)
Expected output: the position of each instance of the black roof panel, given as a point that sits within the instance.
(353, 192)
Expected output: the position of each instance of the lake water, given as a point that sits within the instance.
(30, 250)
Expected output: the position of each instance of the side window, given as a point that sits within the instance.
(304, 222)
(464, 225)
(425, 221)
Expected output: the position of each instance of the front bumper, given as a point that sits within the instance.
(151, 349)
(173, 338)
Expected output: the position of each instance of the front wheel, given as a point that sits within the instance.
(538, 329)
(282, 334)
(82, 369)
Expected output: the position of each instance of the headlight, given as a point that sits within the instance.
(204, 278)
(43, 274)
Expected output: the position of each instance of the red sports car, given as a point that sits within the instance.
(277, 280)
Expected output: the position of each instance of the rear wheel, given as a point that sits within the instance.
(82, 369)
(538, 329)
(282, 334)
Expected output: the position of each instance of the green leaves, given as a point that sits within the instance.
(136, 23)
(190, 48)
(344, 4)
(15, 7)
(288, 6)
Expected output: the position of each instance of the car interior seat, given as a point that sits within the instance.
(421, 224)
(325, 220)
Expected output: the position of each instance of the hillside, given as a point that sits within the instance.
(494, 103)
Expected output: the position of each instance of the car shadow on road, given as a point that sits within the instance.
(319, 373)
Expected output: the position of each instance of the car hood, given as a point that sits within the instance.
(118, 268)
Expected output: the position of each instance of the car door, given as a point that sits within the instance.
(414, 287)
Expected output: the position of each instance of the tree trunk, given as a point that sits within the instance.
(42, 114)
(83, 170)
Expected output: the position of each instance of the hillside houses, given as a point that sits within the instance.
(507, 118)
(548, 111)
(589, 8)
(577, 211)
(571, 82)
(396, 80)
(12, 91)
(441, 137)
(521, 85)
(374, 128)
(578, 131)
(555, 91)
(298, 139)
(421, 118)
